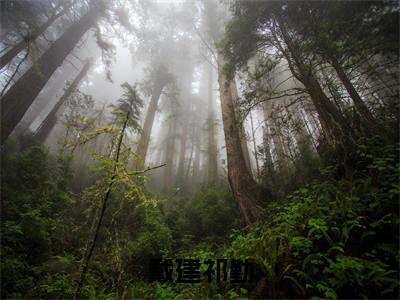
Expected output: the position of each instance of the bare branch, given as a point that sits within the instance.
(146, 170)
(15, 72)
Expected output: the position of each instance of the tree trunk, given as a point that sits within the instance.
(181, 164)
(358, 102)
(196, 161)
(244, 188)
(267, 149)
(254, 144)
(10, 54)
(51, 91)
(169, 156)
(48, 123)
(143, 145)
(21, 95)
(276, 139)
(240, 124)
(333, 91)
(302, 118)
(279, 136)
(332, 122)
(189, 165)
(212, 148)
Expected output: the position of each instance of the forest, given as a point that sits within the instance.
(199, 149)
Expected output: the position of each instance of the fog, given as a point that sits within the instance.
(199, 149)
(126, 45)
(168, 51)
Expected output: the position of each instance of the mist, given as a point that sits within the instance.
(142, 131)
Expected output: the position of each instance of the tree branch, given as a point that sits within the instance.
(146, 170)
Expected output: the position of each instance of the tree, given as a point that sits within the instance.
(337, 50)
(253, 137)
(48, 123)
(180, 176)
(275, 134)
(239, 118)
(169, 153)
(212, 169)
(126, 115)
(244, 188)
(160, 79)
(17, 48)
(21, 95)
(264, 25)
(333, 123)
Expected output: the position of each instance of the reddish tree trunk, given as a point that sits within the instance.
(243, 140)
(244, 188)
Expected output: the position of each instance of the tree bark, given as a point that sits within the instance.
(279, 135)
(242, 132)
(358, 102)
(141, 152)
(169, 156)
(308, 131)
(275, 138)
(181, 163)
(48, 123)
(196, 161)
(244, 188)
(10, 54)
(212, 148)
(21, 95)
(254, 144)
(332, 122)
(267, 149)
(189, 164)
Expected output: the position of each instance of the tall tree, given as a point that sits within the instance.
(264, 24)
(126, 115)
(243, 136)
(308, 16)
(267, 149)
(169, 156)
(212, 170)
(244, 188)
(161, 78)
(17, 48)
(196, 161)
(180, 179)
(21, 95)
(332, 121)
(253, 137)
(48, 123)
(275, 134)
